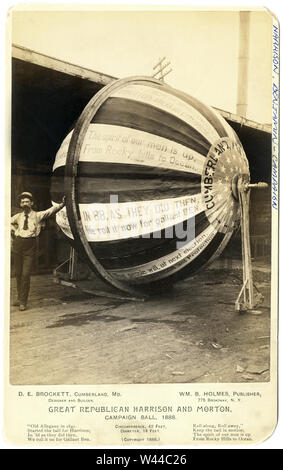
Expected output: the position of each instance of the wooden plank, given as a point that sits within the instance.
(96, 292)
(22, 53)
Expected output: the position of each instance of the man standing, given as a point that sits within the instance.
(25, 227)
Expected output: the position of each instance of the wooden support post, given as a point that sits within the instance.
(245, 233)
(247, 290)
(73, 264)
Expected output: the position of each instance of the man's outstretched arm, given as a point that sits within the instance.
(52, 210)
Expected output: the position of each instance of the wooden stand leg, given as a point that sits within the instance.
(73, 264)
(247, 290)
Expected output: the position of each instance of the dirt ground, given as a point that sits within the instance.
(192, 334)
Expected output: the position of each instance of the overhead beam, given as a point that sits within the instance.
(22, 53)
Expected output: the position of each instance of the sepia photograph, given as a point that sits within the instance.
(143, 197)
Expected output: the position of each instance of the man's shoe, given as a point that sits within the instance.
(22, 307)
(16, 303)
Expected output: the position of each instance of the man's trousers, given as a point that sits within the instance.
(24, 255)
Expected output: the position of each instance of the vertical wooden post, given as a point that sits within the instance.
(246, 248)
(243, 63)
(247, 290)
(73, 264)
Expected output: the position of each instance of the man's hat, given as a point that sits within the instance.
(25, 194)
